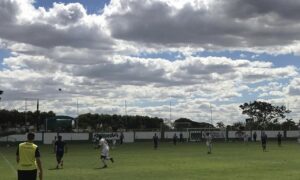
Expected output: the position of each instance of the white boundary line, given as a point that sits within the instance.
(9, 164)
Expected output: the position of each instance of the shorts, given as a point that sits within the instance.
(59, 154)
(105, 152)
(27, 175)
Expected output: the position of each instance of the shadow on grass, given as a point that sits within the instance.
(51, 169)
(101, 168)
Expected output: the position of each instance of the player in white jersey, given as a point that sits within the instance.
(104, 152)
(208, 142)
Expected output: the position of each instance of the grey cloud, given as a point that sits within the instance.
(287, 9)
(124, 73)
(8, 11)
(70, 14)
(226, 24)
(43, 32)
(47, 36)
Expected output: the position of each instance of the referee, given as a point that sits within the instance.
(28, 159)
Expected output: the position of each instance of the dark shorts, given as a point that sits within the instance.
(60, 154)
(27, 175)
(103, 157)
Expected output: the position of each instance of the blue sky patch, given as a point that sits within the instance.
(171, 56)
(4, 53)
(277, 60)
(92, 6)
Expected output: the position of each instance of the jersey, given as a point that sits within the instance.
(60, 146)
(208, 140)
(105, 147)
(27, 152)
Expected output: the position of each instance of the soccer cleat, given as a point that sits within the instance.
(112, 160)
(105, 166)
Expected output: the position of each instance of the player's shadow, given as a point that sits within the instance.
(100, 168)
(51, 169)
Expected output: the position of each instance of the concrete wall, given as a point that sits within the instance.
(169, 135)
(131, 136)
(146, 135)
(20, 137)
(128, 136)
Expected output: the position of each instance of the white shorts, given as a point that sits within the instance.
(105, 152)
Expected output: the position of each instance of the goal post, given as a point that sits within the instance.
(198, 134)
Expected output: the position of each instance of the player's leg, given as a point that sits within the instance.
(57, 160)
(61, 160)
(108, 157)
(209, 148)
(103, 159)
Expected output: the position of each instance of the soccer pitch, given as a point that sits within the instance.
(232, 161)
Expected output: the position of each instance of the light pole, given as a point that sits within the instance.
(1, 92)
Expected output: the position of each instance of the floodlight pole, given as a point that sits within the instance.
(1, 92)
(77, 115)
(126, 109)
(211, 120)
(170, 110)
(25, 112)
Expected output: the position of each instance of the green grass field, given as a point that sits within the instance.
(232, 161)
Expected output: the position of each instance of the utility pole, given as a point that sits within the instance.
(38, 115)
(211, 120)
(126, 109)
(1, 92)
(77, 115)
(170, 111)
(25, 112)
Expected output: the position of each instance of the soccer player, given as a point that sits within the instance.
(181, 137)
(121, 138)
(264, 138)
(155, 141)
(175, 139)
(28, 159)
(208, 142)
(104, 152)
(254, 136)
(60, 148)
(279, 136)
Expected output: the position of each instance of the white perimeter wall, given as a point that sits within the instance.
(20, 137)
(129, 137)
(169, 135)
(291, 134)
(147, 135)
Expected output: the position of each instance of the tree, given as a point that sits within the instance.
(289, 124)
(263, 113)
(220, 124)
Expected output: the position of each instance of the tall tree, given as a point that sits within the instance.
(263, 113)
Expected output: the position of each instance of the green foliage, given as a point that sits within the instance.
(115, 122)
(263, 113)
(14, 117)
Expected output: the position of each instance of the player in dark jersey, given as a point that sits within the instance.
(60, 148)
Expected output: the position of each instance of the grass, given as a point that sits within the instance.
(187, 161)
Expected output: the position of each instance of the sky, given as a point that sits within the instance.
(197, 59)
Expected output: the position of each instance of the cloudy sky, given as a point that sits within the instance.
(191, 55)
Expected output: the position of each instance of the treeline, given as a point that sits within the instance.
(115, 122)
(14, 118)
(288, 124)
